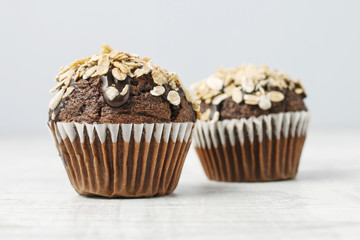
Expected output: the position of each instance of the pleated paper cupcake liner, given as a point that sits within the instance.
(263, 148)
(123, 160)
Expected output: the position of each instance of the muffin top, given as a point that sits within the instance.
(118, 87)
(247, 91)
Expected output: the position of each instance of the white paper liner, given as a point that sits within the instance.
(146, 159)
(287, 124)
(167, 131)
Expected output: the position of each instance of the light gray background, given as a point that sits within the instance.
(317, 41)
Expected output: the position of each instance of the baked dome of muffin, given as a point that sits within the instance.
(118, 87)
(247, 91)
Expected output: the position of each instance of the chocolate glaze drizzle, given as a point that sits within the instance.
(109, 80)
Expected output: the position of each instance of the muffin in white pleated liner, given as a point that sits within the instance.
(123, 160)
(263, 148)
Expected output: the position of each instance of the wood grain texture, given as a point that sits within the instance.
(323, 202)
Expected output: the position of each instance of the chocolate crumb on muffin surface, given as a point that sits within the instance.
(248, 91)
(117, 87)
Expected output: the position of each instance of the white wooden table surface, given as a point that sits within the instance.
(37, 201)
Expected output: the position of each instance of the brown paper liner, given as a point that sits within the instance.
(122, 169)
(254, 160)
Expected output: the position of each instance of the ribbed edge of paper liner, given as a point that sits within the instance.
(123, 168)
(253, 160)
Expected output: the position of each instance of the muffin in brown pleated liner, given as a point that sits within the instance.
(123, 160)
(264, 148)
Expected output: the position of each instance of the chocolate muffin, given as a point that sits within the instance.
(253, 124)
(121, 124)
